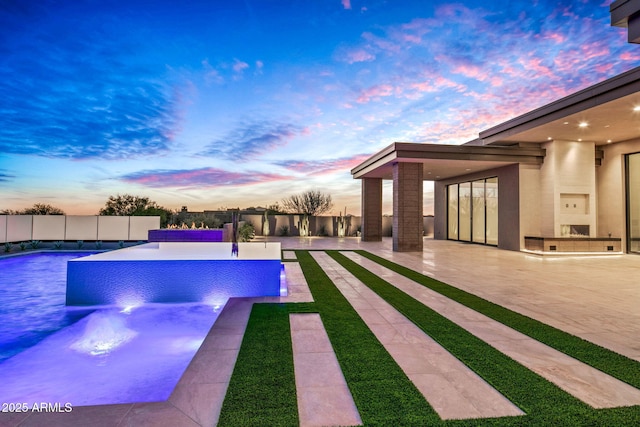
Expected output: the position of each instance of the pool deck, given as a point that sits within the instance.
(593, 297)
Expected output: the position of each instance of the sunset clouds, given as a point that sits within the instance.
(236, 103)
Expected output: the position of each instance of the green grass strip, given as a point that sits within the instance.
(262, 390)
(544, 403)
(605, 360)
(381, 391)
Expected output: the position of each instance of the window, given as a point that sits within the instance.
(472, 211)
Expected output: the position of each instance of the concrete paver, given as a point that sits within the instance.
(582, 381)
(452, 389)
(323, 396)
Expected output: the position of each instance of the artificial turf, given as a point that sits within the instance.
(262, 387)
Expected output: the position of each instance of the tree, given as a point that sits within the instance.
(36, 209)
(128, 205)
(311, 203)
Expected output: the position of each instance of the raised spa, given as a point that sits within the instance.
(175, 272)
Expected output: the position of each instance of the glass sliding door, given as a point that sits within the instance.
(464, 209)
(452, 211)
(633, 203)
(478, 211)
(491, 200)
(472, 211)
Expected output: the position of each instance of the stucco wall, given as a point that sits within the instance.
(48, 227)
(530, 209)
(568, 170)
(21, 228)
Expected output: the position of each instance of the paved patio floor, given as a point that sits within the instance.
(593, 297)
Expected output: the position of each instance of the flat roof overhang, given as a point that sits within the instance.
(626, 13)
(442, 161)
(607, 108)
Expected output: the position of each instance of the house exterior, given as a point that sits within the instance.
(562, 178)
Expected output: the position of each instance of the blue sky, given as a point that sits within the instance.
(240, 103)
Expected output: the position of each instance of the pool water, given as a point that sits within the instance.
(32, 299)
(101, 355)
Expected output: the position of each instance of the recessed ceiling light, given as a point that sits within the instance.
(636, 108)
(565, 123)
(583, 124)
(579, 139)
(609, 141)
(467, 169)
(607, 126)
(549, 138)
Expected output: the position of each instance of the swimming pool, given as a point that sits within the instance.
(100, 355)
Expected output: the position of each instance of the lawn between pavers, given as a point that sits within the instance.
(262, 388)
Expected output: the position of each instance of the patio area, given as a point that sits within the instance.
(594, 298)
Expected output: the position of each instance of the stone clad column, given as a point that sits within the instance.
(407, 207)
(371, 210)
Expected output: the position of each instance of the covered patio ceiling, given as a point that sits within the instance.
(605, 113)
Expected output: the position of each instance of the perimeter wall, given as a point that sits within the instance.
(24, 228)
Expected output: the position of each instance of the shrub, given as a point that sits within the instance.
(58, 244)
(35, 243)
(283, 230)
(323, 231)
(23, 246)
(8, 246)
(246, 232)
(121, 244)
(98, 244)
(80, 244)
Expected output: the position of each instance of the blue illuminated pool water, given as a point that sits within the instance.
(32, 299)
(101, 355)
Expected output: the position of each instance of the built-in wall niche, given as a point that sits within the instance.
(574, 204)
(572, 230)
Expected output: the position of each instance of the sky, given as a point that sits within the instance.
(240, 103)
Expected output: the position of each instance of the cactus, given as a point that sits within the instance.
(303, 226)
(265, 224)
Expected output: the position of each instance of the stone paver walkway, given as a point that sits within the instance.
(323, 396)
(588, 384)
(452, 389)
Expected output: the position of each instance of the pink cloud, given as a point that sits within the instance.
(628, 56)
(346, 4)
(324, 167)
(359, 55)
(198, 178)
(374, 93)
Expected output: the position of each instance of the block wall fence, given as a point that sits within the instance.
(327, 225)
(21, 228)
(24, 228)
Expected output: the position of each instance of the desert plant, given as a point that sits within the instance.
(34, 244)
(246, 232)
(23, 246)
(283, 230)
(58, 244)
(323, 231)
(8, 246)
(98, 244)
(80, 244)
(265, 224)
(121, 244)
(303, 226)
(311, 203)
